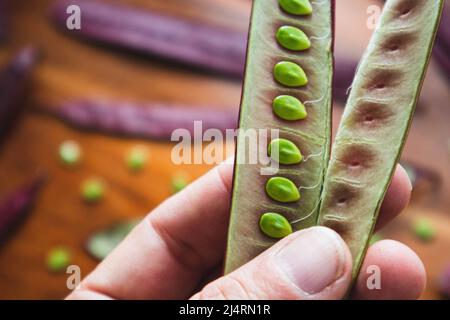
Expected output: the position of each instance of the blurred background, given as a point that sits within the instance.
(72, 183)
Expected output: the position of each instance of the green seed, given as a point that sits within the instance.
(137, 158)
(179, 182)
(274, 225)
(424, 230)
(282, 190)
(288, 152)
(290, 74)
(70, 152)
(297, 7)
(92, 190)
(58, 259)
(293, 38)
(289, 108)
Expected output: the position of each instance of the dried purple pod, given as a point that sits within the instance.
(344, 72)
(13, 82)
(443, 36)
(444, 282)
(188, 42)
(442, 56)
(4, 12)
(142, 121)
(16, 205)
(192, 44)
(442, 47)
(421, 176)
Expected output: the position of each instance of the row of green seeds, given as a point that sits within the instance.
(287, 108)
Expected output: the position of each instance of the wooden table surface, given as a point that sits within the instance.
(73, 69)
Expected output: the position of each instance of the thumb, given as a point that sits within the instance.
(313, 263)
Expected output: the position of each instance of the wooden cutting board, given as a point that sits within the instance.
(71, 68)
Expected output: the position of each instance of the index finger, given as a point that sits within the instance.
(170, 251)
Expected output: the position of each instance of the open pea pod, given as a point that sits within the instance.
(286, 92)
(376, 120)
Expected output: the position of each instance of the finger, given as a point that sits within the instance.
(173, 242)
(311, 264)
(397, 197)
(401, 272)
(167, 254)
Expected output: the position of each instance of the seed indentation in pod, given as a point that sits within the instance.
(284, 151)
(290, 74)
(293, 38)
(297, 7)
(274, 225)
(289, 108)
(282, 190)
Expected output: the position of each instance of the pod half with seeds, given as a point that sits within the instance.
(286, 94)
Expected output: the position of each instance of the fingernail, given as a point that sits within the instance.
(229, 160)
(314, 260)
(407, 175)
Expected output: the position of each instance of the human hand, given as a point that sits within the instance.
(177, 252)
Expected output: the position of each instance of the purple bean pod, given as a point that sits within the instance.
(442, 46)
(142, 121)
(444, 282)
(188, 42)
(344, 72)
(4, 15)
(16, 205)
(420, 175)
(442, 56)
(14, 80)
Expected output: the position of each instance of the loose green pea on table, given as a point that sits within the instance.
(70, 152)
(92, 190)
(137, 158)
(58, 259)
